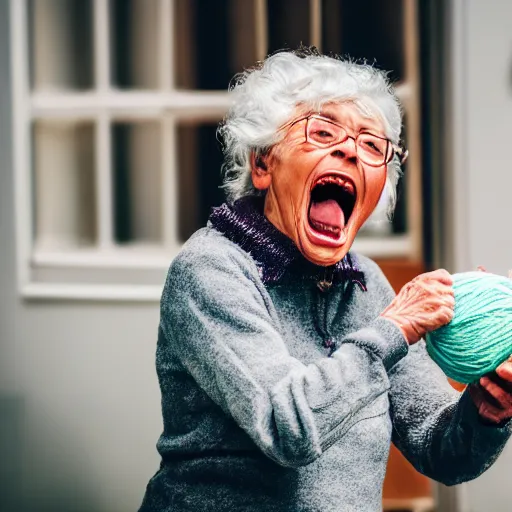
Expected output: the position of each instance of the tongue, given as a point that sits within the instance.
(327, 215)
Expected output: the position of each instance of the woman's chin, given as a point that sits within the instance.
(324, 256)
(324, 249)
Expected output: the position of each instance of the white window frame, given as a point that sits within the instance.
(167, 106)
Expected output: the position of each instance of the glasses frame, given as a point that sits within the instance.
(399, 150)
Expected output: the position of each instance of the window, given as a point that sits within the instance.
(115, 108)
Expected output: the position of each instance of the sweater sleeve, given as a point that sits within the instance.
(438, 429)
(222, 327)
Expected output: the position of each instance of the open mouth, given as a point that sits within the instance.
(331, 204)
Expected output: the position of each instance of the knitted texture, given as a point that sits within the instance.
(258, 418)
(273, 252)
(479, 337)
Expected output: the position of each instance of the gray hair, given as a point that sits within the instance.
(266, 97)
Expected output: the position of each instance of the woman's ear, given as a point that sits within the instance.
(260, 174)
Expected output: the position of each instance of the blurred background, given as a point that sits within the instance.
(109, 161)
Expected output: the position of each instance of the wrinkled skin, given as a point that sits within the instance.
(422, 305)
(425, 304)
(289, 171)
(493, 394)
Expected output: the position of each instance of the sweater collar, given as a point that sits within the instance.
(276, 256)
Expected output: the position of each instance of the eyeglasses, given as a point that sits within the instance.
(370, 149)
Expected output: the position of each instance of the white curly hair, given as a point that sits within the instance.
(266, 97)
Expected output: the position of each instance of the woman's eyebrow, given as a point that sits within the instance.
(364, 128)
(328, 115)
(370, 129)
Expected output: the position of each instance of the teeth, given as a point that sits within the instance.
(347, 185)
(325, 227)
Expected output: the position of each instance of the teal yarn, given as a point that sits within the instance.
(479, 337)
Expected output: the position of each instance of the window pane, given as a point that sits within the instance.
(64, 184)
(288, 24)
(137, 182)
(378, 223)
(199, 163)
(214, 40)
(134, 43)
(60, 41)
(371, 30)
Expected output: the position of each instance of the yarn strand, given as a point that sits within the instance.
(479, 337)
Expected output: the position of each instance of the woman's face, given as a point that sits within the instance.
(320, 197)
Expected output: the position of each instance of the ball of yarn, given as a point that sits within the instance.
(479, 337)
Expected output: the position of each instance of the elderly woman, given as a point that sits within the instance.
(286, 364)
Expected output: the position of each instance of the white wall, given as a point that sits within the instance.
(482, 200)
(79, 400)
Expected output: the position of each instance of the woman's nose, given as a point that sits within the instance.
(345, 150)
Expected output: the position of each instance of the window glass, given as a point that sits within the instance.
(214, 40)
(371, 30)
(64, 184)
(199, 179)
(60, 44)
(288, 24)
(136, 161)
(134, 31)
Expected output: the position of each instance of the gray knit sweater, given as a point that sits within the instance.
(280, 395)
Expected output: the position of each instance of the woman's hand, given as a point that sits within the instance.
(493, 394)
(422, 305)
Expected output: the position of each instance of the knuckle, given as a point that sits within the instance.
(445, 275)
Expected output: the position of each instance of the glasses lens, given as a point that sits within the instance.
(322, 132)
(373, 150)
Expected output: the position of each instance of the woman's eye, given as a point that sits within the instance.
(322, 134)
(373, 147)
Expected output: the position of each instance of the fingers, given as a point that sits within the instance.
(423, 304)
(504, 370)
(487, 410)
(492, 413)
(476, 395)
(442, 316)
(510, 274)
(502, 395)
(434, 287)
(441, 300)
(446, 295)
(441, 275)
(446, 315)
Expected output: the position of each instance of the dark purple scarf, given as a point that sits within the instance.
(275, 254)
